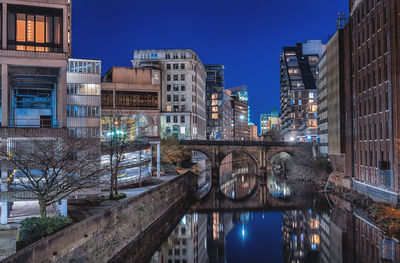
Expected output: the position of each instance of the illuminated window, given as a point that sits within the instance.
(34, 30)
(169, 108)
(214, 109)
(214, 116)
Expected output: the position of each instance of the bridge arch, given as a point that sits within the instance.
(238, 151)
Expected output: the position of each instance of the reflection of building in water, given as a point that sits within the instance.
(225, 169)
(187, 243)
(301, 239)
(371, 244)
(204, 165)
(218, 227)
(236, 178)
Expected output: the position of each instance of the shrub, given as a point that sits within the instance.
(35, 228)
(119, 196)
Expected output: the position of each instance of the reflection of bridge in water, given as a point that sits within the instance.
(259, 199)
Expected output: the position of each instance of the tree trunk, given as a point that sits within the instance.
(42, 206)
(116, 184)
(111, 185)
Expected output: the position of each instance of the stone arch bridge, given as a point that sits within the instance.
(260, 151)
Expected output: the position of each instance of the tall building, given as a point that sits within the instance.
(241, 131)
(34, 51)
(183, 88)
(218, 105)
(375, 67)
(332, 101)
(242, 94)
(299, 90)
(270, 122)
(83, 99)
(322, 85)
(253, 133)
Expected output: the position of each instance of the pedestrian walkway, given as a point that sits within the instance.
(85, 208)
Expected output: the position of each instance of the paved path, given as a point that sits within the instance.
(82, 210)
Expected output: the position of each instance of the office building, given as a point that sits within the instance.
(242, 95)
(183, 90)
(241, 131)
(299, 91)
(83, 99)
(218, 105)
(253, 133)
(270, 122)
(34, 50)
(375, 68)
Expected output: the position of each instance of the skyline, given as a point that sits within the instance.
(229, 33)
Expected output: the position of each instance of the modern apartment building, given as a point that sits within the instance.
(183, 90)
(34, 51)
(375, 68)
(270, 122)
(241, 131)
(218, 105)
(322, 97)
(83, 99)
(242, 94)
(299, 91)
(253, 132)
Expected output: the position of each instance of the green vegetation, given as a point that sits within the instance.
(118, 196)
(35, 228)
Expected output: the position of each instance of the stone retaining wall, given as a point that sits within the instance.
(101, 237)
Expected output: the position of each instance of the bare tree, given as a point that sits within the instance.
(115, 145)
(53, 168)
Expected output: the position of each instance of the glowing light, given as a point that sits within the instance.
(292, 139)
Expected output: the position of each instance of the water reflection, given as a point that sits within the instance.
(315, 234)
(237, 175)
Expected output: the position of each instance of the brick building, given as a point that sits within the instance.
(374, 48)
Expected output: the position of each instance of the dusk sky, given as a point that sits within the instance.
(246, 36)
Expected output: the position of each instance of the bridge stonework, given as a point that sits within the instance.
(260, 151)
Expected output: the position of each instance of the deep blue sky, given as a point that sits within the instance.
(246, 36)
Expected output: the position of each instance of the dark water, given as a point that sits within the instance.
(248, 219)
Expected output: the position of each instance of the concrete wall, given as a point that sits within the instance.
(102, 236)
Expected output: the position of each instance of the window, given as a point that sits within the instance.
(168, 97)
(183, 130)
(39, 30)
(182, 119)
(176, 87)
(168, 77)
(176, 98)
(168, 56)
(183, 88)
(176, 78)
(182, 76)
(183, 97)
(183, 108)
(168, 87)
(182, 66)
(168, 119)
(176, 66)
(175, 119)
(169, 108)
(168, 66)
(176, 108)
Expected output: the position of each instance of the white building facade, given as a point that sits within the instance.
(183, 108)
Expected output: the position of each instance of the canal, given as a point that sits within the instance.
(248, 219)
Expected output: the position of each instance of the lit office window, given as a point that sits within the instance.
(36, 29)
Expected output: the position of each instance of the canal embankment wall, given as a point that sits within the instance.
(104, 236)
